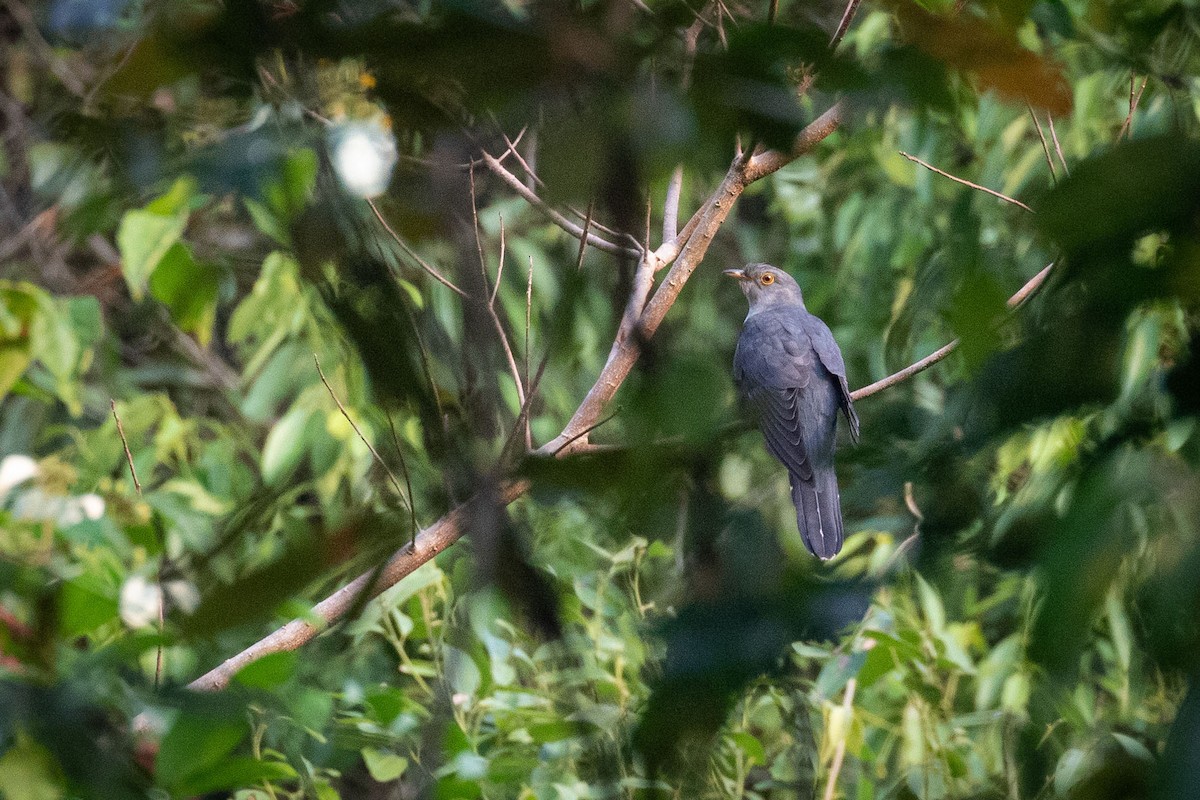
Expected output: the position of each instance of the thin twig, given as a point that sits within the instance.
(839, 753)
(500, 267)
(437, 276)
(956, 179)
(1045, 146)
(1022, 294)
(125, 443)
(395, 483)
(844, 25)
(671, 205)
(1057, 146)
(583, 239)
(1134, 99)
(528, 320)
(412, 511)
(491, 309)
(523, 414)
(532, 176)
(162, 622)
(558, 219)
(582, 434)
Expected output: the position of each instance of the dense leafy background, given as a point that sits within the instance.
(1015, 614)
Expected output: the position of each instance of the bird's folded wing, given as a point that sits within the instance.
(830, 355)
(779, 419)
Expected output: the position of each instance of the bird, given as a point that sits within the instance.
(790, 373)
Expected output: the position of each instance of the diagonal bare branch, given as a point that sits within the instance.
(965, 182)
(558, 219)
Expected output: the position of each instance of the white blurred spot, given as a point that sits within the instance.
(140, 602)
(92, 506)
(183, 594)
(364, 154)
(15, 470)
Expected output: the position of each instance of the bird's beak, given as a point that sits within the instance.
(738, 274)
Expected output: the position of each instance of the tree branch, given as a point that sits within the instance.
(558, 219)
(429, 542)
(1023, 294)
(965, 182)
(691, 246)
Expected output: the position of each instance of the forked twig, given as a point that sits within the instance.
(1045, 147)
(1134, 100)
(558, 219)
(1058, 147)
(491, 308)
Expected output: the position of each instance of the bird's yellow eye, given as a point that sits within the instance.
(767, 279)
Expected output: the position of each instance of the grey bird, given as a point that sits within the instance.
(790, 372)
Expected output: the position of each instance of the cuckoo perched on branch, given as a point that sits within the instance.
(790, 371)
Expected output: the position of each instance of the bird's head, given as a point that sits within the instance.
(766, 286)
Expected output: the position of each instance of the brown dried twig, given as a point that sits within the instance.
(490, 306)
(964, 182)
(1022, 294)
(125, 443)
(1134, 100)
(437, 276)
(1045, 147)
(391, 476)
(558, 219)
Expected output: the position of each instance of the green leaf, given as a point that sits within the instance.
(382, 765)
(285, 445)
(234, 773)
(143, 239)
(750, 746)
(85, 606)
(269, 671)
(197, 743)
(188, 289)
(29, 772)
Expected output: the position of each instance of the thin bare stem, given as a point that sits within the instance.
(395, 483)
(491, 308)
(558, 219)
(1058, 147)
(532, 177)
(957, 179)
(125, 443)
(671, 206)
(1022, 294)
(500, 268)
(412, 511)
(528, 320)
(1134, 100)
(1045, 147)
(844, 25)
(839, 753)
(583, 239)
(437, 276)
(572, 439)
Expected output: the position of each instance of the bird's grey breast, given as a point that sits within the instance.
(775, 351)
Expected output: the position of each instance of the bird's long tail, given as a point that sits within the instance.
(819, 512)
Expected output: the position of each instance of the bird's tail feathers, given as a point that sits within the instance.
(819, 512)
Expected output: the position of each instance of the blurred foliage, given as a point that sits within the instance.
(182, 230)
